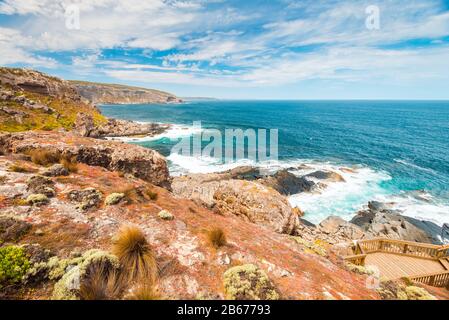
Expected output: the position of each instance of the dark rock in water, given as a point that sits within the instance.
(307, 223)
(287, 183)
(380, 221)
(326, 175)
(12, 229)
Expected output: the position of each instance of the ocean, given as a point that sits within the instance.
(397, 151)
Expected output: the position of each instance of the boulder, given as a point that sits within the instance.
(12, 229)
(338, 227)
(41, 185)
(326, 175)
(379, 221)
(249, 200)
(86, 198)
(56, 170)
(287, 183)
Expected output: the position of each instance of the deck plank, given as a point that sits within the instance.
(393, 266)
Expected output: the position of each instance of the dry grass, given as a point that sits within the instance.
(144, 291)
(70, 164)
(150, 194)
(135, 254)
(21, 169)
(217, 237)
(44, 157)
(101, 284)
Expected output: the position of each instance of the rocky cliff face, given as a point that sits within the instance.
(33, 100)
(99, 93)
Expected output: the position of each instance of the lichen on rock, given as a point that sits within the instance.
(86, 198)
(68, 287)
(114, 198)
(165, 215)
(248, 282)
(37, 199)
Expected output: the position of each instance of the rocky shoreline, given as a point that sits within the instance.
(66, 192)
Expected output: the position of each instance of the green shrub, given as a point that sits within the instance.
(14, 264)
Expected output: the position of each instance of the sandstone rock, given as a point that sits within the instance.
(141, 162)
(249, 200)
(341, 228)
(84, 124)
(256, 203)
(55, 170)
(12, 229)
(86, 198)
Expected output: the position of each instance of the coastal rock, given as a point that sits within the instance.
(380, 221)
(338, 227)
(256, 203)
(140, 162)
(99, 93)
(287, 183)
(326, 175)
(84, 125)
(249, 200)
(125, 128)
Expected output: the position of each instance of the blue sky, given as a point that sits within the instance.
(284, 49)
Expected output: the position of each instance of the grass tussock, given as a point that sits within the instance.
(70, 164)
(101, 284)
(20, 169)
(44, 157)
(145, 291)
(150, 194)
(217, 237)
(135, 254)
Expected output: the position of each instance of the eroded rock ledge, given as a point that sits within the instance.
(140, 162)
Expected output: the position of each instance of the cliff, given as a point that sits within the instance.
(99, 93)
(33, 100)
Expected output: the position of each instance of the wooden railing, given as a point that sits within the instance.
(440, 279)
(358, 259)
(413, 249)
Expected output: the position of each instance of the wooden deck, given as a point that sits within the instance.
(392, 266)
(395, 259)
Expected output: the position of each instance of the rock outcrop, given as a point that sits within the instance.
(249, 200)
(104, 93)
(380, 221)
(138, 161)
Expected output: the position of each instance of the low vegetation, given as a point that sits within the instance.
(217, 237)
(14, 265)
(135, 254)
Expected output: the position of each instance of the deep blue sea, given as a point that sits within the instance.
(398, 151)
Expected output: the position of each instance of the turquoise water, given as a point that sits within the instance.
(398, 149)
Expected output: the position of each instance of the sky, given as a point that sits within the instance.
(252, 49)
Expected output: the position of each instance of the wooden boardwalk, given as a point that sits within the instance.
(392, 266)
(395, 259)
